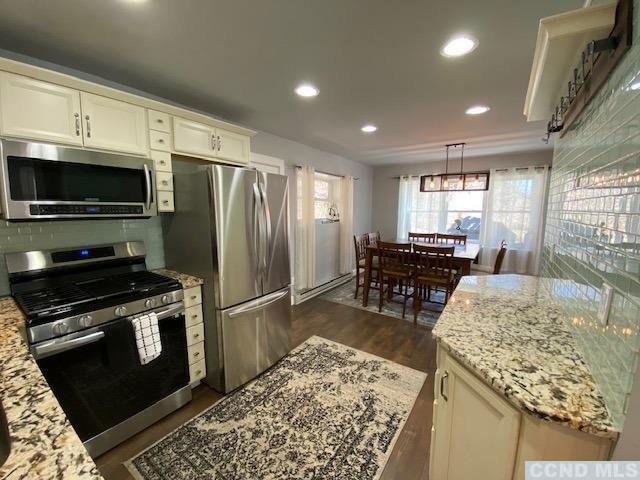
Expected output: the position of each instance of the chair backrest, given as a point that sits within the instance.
(360, 243)
(450, 238)
(500, 257)
(422, 237)
(393, 255)
(374, 238)
(434, 261)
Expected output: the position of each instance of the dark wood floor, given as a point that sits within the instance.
(386, 337)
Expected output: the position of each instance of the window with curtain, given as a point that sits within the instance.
(438, 211)
(511, 210)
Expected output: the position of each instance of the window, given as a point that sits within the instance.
(326, 190)
(438, 211)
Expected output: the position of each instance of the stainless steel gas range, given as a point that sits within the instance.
(80, 306)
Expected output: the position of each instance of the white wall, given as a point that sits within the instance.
(385, 184)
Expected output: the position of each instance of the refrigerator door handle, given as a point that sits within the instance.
(259, 304)
(262, 240)
(267, 217)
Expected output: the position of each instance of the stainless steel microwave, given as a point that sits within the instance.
(41, 181)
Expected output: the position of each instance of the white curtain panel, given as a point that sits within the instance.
(346, 224)
(407, 200)
(514, 211)
(305, 256)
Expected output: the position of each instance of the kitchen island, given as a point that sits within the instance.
(511, 379)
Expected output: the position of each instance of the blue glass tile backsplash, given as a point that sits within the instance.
(19, 237)
(593, 227)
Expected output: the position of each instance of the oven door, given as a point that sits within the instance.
(97, 377)
(46, 181)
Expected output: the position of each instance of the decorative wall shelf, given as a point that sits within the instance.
(561, 39)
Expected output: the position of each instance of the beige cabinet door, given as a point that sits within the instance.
(232, 147)
(114, 125)
(38, 110)
(475, 429)
(193, 138)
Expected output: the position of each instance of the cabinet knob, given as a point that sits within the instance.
(161, 140)
(159, 120)
(165, 202)
(196, 354)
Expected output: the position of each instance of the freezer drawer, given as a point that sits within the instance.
(255, 335)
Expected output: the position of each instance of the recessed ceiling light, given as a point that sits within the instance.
(369, 128)
(458, 46)
(635, 86)
(307, 90)
(477, 110)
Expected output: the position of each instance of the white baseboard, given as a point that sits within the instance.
(300, 297)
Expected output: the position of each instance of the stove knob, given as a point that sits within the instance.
(85, 321)
(120, 311)
(150, 303)
(60, 328)
(165, 299)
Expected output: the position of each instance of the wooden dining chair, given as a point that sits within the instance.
(374, 238)
(450, 238)
(394, 268)
(433, 270)
(500, 257)
(422, 237)
(360, 243)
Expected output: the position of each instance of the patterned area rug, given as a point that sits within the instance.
(324, 411)
(344, 294)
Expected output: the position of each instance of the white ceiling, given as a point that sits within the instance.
(374, 61)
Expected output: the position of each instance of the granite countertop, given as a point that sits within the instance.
(185, 279)
(510, 330)
(43, 442)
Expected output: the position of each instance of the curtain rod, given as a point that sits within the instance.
(327, 173)
(537, 167)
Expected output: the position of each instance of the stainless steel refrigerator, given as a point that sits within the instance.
(230, 228)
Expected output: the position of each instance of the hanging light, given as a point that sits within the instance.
(471, 181)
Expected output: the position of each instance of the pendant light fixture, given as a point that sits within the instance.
(470, 181)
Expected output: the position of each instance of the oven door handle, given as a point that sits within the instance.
(175, 309)
(54, 347)
(147, 183)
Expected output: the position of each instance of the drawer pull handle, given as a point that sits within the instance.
(77, 116)
(198, 372)
(193, 297)
(86, 117)
(165, 202)
(196, 354)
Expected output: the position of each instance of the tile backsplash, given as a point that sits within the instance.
(593, 227)
(18, 237)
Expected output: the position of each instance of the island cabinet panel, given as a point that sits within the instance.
(476, 431)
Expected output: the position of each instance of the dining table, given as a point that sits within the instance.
(463, 257)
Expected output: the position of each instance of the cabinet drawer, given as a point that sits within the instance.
(195, 334)
(165, 201)
(196, 352)
(193, 315)
(159, 141)
(197, 371)
(159, 121)
(192, 296)
(164, 181)
(161, 161)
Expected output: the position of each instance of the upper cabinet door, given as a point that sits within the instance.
(232, 146)
(113, 125)
(193, 138)
(39, 110)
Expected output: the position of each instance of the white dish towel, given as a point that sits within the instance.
(147, 336)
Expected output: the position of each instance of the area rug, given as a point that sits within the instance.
(344, 294)
(325, 411)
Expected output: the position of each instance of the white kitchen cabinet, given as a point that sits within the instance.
(110, 124)
(232, 147)
(193, 138)
(37, 110)
(200, 140)
(476, 431)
